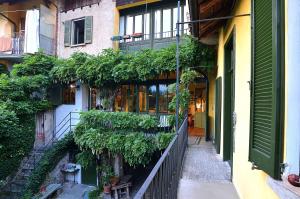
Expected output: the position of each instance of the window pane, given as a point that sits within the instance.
(186, 18)
(152, 98)
(163, 98)
(124, 98)
(129, 25)
(174, 20)
(170, 97)
(121, 28)
(157, 27)
(146, 25)
(78, 32)
(167, 23)
(118, 101)
(69, 94)
(131, 99)
(143, 99)
(138, 24)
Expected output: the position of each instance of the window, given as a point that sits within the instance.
(138, 24)
(78, 31)
(152, 98)
(146, 26)
(163, 98)
(69, 94)
(167, 22)
(129, 25)
(143, 98)
(131, 98)
(157, 24)
(266, 130)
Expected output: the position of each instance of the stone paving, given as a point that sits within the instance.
(204, 174)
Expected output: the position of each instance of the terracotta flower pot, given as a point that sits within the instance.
(114, 180)
(107, 188)
(294, 180)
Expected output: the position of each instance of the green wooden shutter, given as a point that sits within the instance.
(218, 109)
(265, 140)
(67, 33)
(88, 29)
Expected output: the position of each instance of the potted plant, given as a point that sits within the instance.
(107, 173)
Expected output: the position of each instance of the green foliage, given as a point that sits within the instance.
(118, 133)
(163, 140)
(48, 162)
(138, 149)
(85, 158)
(23, 93)
(115, 66)
(95, 194)
(16, 139)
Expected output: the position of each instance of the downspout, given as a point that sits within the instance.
(11, 21)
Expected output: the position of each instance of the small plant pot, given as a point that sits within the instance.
(106, 188)
(114, 181)
(294, 180)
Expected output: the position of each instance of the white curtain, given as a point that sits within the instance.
(31, 43)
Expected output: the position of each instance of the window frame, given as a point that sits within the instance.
(73, 31)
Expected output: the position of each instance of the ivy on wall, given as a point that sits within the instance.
(120, 133)
(23, 93)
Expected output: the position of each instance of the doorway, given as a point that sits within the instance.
(197, 110)
(229, 93)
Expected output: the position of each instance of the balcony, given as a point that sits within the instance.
(12, 46)
(27, 30)
(131, 43)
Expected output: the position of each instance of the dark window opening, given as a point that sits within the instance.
(78, 32)
(69, 94)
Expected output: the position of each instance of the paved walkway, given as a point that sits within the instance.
(74, 191)
(204, 174)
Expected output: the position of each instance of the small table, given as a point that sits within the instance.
(70, 168)
(121, 190)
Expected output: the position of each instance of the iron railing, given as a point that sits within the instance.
(162, 182)
(66, 126)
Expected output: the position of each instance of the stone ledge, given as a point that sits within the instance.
(284, 189)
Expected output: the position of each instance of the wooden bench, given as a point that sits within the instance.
(121, 190)
(50, 190)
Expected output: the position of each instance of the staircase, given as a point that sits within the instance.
(16, 184)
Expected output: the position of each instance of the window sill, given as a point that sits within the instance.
(77, 45)
(284, 189)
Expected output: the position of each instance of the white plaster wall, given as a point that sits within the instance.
(292, 85)
(103, 28)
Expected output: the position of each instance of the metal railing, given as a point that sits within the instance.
(66, 126)
(162, 182)
(156, 36)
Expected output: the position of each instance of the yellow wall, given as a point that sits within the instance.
(250, 184)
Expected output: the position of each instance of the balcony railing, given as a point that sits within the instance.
(131, 43)
(162, 183)
(12, 45)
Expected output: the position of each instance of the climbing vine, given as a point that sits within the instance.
(23, 93)
(113, 66)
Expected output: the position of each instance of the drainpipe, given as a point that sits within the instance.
(11, 21)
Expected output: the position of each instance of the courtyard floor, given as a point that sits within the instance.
(204, 174)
